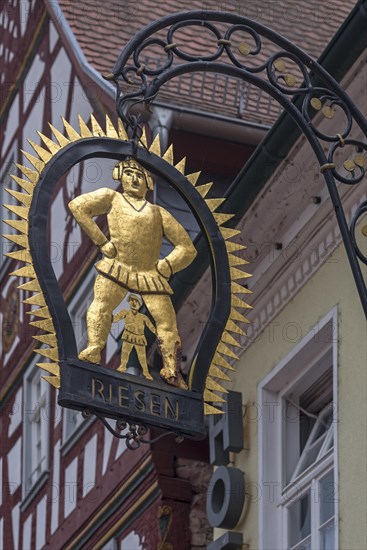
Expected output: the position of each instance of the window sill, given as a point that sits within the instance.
(34, 490)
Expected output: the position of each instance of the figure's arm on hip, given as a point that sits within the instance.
(89, 205)
(184, 251)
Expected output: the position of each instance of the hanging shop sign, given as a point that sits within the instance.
(130, 268)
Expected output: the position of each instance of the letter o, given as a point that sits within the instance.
(225, 498)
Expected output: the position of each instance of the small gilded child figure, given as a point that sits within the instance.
(133, 334)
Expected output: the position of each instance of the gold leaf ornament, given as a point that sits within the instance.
(359, 161)
(328, 112)
(316, 103)
(349, 165)
(244, 48)
(279, 65)
(290, 80)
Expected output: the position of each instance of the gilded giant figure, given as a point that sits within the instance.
(131, 261)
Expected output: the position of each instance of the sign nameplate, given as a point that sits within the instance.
(117, 395)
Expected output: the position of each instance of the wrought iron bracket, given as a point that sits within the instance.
(272, 63)
(134, 437)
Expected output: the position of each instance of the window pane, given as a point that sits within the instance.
(327, 497)
(326, 420)
(299, 520)
(292, 431)
(304, 545)
(315, 446)
(327, 538)
(306, 424)
(311, 455)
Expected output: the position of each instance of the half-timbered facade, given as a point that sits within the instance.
(66, 482)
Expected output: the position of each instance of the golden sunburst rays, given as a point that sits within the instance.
(227, 349)
(23, 198)
(27, 183)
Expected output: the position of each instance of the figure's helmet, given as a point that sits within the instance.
(135, 297)
(132, 163)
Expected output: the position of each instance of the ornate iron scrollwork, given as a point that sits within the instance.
(134, 436)
(289, 75)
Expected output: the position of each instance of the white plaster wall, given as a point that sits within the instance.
(80, 105)
(25, 12)
(58, 414)
(131, 541)
(108, 439)
(54, 35)
(31, 81)
(57, 241)
(27, 532)
(70, 487)
(16, 412)
(121, 448)
(89, 465)
(32, 124)
(15, 525)
(60, 80)
(55, 491)
(41, 523)
(11, 127)
(14, 459)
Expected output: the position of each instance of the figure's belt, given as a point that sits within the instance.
(138, 339)
(143, 282)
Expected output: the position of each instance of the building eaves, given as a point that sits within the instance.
(101, 30)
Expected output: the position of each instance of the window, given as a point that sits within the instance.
(311, 517)
(73, 420)
(307, 496)
(36, 429)
(5, 198)
(78, 308)
(297, 446)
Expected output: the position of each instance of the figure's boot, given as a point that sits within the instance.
(171, 355)
(92, 354)
(97, 337)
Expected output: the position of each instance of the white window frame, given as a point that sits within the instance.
(73, 423)
(79, 305)
(36, 425)
(294, 495)
(273, 528)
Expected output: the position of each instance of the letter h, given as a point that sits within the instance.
(226, 430)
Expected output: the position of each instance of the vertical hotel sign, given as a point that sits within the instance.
(130, 267)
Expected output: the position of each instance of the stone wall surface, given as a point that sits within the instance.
(199, 475)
